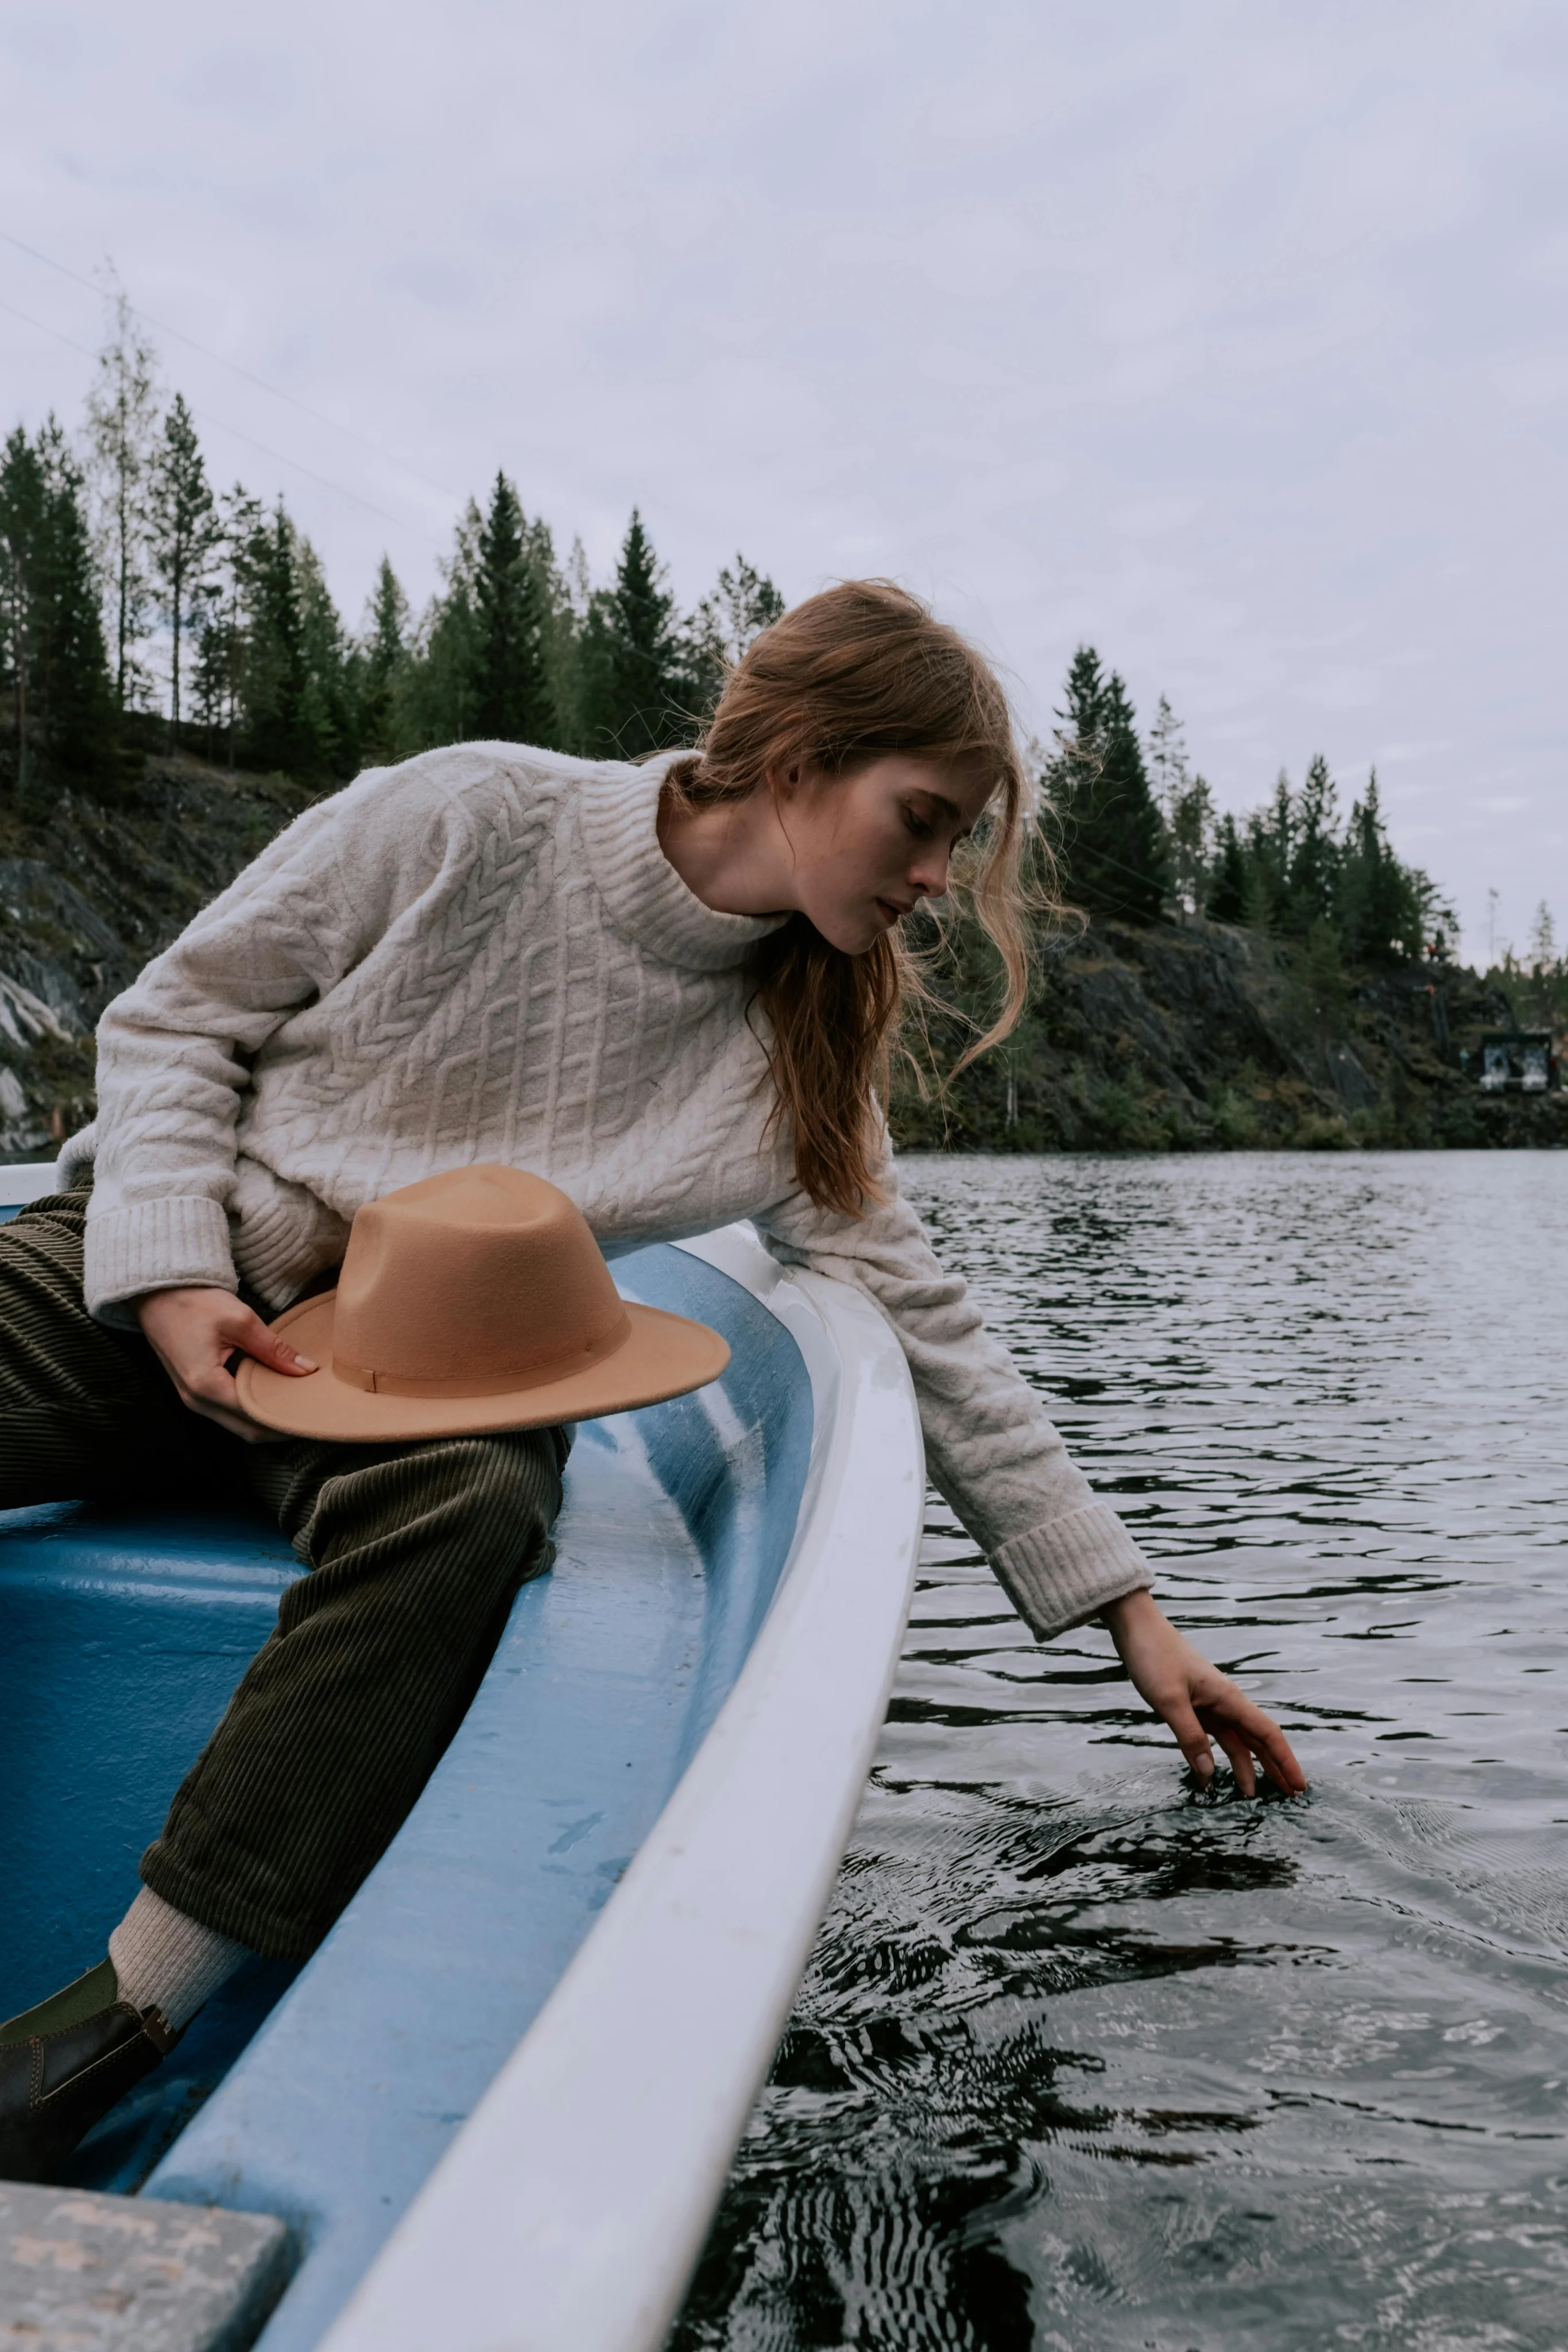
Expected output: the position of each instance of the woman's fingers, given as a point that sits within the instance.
(1240, 1756)
(1279, 1760)
(1242, 1730)
(1189, 1733)
(196, 1333)
(1233, 1718)
(216, 1393)
(213, 1393)
(247, 1332)
(1197, 1700)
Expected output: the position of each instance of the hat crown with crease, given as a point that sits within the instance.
(484, 1275)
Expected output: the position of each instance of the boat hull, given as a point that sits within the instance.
(523, 1916)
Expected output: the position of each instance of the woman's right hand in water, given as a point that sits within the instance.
(194, 1333)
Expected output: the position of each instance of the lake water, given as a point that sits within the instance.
(1086, 2060)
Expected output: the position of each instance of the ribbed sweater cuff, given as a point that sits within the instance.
(160, 1245)
(283, 1236)
(1064, 1573)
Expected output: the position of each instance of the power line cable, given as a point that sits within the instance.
(260, 382)
(220, 426)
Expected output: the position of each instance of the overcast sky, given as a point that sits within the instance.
(1227, 335)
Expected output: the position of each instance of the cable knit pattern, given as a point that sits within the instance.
(484, 955)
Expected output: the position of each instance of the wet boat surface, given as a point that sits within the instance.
(328, 2095)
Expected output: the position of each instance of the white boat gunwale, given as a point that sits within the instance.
(569, 2211)
(33, 1180)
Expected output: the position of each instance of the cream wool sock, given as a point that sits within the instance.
(165, 1961)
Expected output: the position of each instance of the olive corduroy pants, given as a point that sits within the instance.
(414, 1553)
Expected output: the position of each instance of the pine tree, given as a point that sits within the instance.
(122, 426)
(633, 682)
(570, 598)
(598, 706)
(294, 673)
(55, 673)
(214, 678)
(1072, 768)
(273, 671)
(220, 637)
(1082, 714)
(325, 715)
(1542, 952)
(1379, 899)
(558, 605)
(1271, 850)
(1191, 829)
(512, 700)
(1135, 861)
(1264, 895)
(75, 698)
(383, 669)
(184, 535)
(1114, 852)
(1227, 902)
(1185, 802)
(444, 657)
(1312, 875)
(742, 604)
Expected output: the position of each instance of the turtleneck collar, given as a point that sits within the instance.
(646, 897)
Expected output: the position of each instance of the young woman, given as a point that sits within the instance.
(669, 988)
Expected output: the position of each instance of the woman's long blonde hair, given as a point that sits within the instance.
(855, 674)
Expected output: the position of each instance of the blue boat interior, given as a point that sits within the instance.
(324, 2094)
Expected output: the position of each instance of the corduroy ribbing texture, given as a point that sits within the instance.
(87, 1413)
(415, 1554)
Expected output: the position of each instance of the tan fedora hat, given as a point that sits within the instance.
(471, 1301)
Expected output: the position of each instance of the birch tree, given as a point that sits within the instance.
(21, 521)
(122, 430)
(1188, 806)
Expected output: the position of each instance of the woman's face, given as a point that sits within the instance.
(868, 848)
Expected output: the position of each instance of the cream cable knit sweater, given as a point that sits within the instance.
(483, 954)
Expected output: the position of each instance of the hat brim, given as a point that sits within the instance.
(665, 1356)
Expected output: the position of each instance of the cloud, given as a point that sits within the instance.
(1221, 333)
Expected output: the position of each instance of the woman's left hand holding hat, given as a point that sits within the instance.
(195, 1333)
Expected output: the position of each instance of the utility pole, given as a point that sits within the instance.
(1491, 929)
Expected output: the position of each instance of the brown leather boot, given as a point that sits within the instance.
(56, 2080)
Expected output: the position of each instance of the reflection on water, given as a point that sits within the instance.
(1084, 2059)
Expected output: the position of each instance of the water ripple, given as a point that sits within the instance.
(1084, 2059)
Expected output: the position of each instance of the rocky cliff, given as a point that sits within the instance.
(88, 892)
(1204, 1037)
(1167, 1038)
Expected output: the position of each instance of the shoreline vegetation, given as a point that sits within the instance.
(176, 684)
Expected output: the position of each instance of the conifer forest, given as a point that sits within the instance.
(1283, 977)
